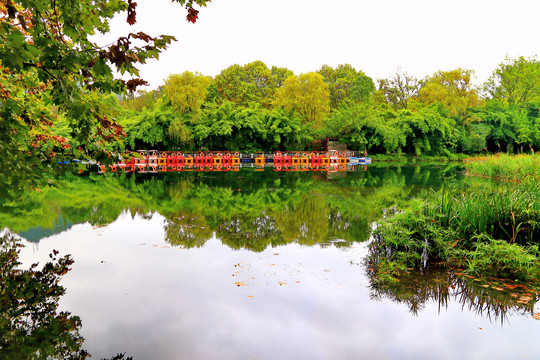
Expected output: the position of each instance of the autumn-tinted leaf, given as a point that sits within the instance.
(131, 16)
(192, 15)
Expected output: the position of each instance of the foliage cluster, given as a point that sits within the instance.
(54, 79)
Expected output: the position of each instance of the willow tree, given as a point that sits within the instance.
(307, 96)
(187, 91)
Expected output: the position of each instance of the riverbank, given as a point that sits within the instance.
(491, 231)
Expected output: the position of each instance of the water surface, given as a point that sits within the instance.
(259, 265)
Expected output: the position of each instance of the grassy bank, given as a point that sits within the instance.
(490, 231)
(401, 157)
(517, 168)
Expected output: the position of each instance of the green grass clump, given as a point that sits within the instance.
(498, 258)
(493, 232)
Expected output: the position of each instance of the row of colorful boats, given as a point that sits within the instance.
(158, 161)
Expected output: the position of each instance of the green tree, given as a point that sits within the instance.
(160, 127)
(428, 130)
(307, 96)
(512, 128)
(187, 91)
(515, 81)
(136, 101)
(251, 83)
(346, 85)
(453, 89)
(365, 129)
(399, 89)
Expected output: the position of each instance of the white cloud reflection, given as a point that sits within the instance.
(155, 301)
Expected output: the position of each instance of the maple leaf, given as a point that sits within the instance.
(131, 17)
(192, 15)
(142, 36)
(133, 83)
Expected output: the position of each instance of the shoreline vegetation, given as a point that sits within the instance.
(255, 107)
(492, 231)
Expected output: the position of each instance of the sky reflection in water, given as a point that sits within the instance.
(138, 294)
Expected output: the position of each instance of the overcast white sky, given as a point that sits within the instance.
(377, 37)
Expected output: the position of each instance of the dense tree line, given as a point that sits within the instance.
(254, 107)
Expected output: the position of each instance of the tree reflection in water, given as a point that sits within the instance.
(494, 300)
(31, 327)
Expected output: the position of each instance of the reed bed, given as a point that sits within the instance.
(490, 231)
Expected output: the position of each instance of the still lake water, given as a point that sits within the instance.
(259, 265)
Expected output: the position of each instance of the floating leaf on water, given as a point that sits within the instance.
(239, 283)
(536, 316)
(282, 283)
